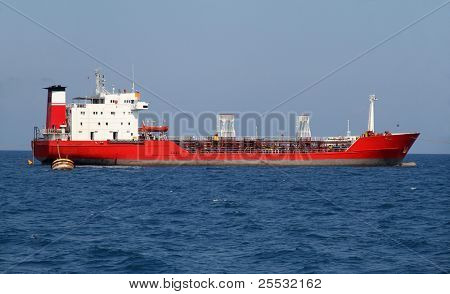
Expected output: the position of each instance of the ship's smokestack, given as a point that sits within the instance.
(56, 107)
(225, 125)
(302, 126)
(371, 123)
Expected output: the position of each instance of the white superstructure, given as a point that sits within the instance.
(105, 116)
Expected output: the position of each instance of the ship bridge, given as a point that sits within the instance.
(108, 115)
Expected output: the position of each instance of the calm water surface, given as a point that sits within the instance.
(225, 219)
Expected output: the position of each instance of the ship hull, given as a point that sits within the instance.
(381, 150)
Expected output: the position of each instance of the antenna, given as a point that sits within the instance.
(348, 129)
(132, 75)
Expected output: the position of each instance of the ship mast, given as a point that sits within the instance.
(132, 74)
(349, 133)
(371, 123)
(100, 83)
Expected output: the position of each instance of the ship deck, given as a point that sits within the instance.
(262, 145)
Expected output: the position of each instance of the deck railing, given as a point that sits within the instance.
(252, 138)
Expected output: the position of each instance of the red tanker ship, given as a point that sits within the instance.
(104, 130)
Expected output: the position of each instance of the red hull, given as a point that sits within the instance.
(375, 150)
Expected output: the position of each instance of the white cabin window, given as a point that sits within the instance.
(121, 123)
(98, 123)
(81, 123)
(106, 123)
(128, 123)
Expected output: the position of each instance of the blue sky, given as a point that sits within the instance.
(236, 56)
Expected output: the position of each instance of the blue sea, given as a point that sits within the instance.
(225, 219)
